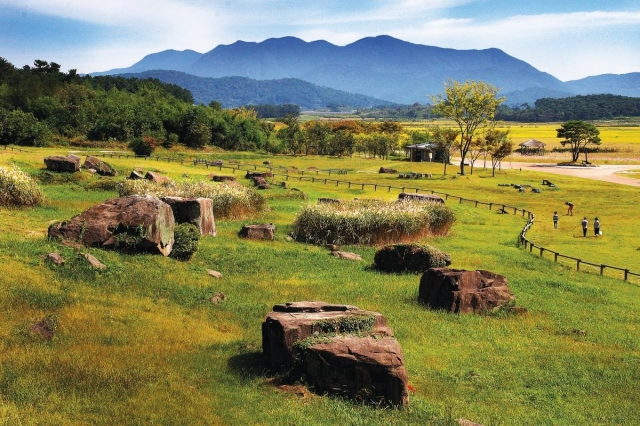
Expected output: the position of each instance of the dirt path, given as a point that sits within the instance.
(607, 173)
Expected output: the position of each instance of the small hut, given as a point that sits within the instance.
(532, 147)
(420, 152)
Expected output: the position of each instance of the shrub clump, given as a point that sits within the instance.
(229, 201)
(187, 238)
(18, 188)
(410, 258)
(371, 222)
(144, 145)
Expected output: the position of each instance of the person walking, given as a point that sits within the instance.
(555, 220)
(569, 209)
(585, 225)
(596, 227)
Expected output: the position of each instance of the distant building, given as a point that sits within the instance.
(420, 152)
(532, 147)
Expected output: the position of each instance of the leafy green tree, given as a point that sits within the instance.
(445, 139)
(22, 128)
(578, 134)
(290, 135)
(499, 146)
(472, 105)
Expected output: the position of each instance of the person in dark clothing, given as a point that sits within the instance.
(596, 227)
(570, 208)
(555, 220)
(585, 225)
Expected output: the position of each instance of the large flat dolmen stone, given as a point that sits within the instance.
(58, 163)
(286, 325)
(197, 211)
(157, 177)
(421, 197)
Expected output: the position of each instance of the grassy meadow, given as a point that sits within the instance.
(624, 138)
(139, 343)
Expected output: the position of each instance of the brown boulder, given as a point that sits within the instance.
(133, 223)
(136, 175)
(251, 175)
(369, 369)
(290, 323)
(197, 211)
(387, 170)
(157, 177)
(257, 181)
(101, 167)
(409, 258)
(328, 201)
(223, 178)
(258, 232)
(54, 258)
(421, 197)
(58, 163)
(338, 348)
(463, 291)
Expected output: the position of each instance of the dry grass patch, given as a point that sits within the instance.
(229, 201)
(371, 222)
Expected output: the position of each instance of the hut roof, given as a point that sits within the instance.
(425, 146)
(533, 143)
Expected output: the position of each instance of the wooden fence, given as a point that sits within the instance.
(299, 175)
(626, 273)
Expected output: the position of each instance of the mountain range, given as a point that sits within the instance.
(382, 68)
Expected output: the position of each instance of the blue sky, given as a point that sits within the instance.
(569, 39)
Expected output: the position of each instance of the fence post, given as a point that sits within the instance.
(515, 211)
(460, 200)
(626, 274)
(476, 203)
(490, 206)
(555, 257)
(362, 187)
(531, 248)
(578, 264)
(416, 190)
(446, 196)
(541, 251)
(601, 269)
(375, 188)
(349, 187)
(389, 190)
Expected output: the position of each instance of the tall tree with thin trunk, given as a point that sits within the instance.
(472, 105)
(499, 146)
(445, 139)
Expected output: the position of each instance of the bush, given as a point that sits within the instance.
(18, 189)
(229, 201)
(143, 146)
(371, 222)
(187, 237)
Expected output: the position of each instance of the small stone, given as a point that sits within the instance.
(95, 263)
(346, 255)
(214, 274)
(217, 298)
(55, 258)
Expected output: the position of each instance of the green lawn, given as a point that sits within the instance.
(138, 343)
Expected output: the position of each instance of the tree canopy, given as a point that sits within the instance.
(472, 105)
(578, 134)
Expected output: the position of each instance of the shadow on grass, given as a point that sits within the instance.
(249, 364)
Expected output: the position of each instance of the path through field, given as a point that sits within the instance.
(607, 173)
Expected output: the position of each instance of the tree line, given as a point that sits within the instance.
(589, 107)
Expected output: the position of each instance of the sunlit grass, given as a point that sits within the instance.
(140, 342)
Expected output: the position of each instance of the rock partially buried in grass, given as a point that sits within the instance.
(101, 167)
(346, 255)
(409, 258)
(258, 232)
(421, 197)
(95, 263)
(157, 177)
(457, 290)
(46, 327)
(132, 224)
(214, 274)
(339, 348)
(55, 258)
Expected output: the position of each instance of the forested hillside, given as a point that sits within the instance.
(590, 107)
(40, 105)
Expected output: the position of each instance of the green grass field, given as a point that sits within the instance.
(139, 343)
